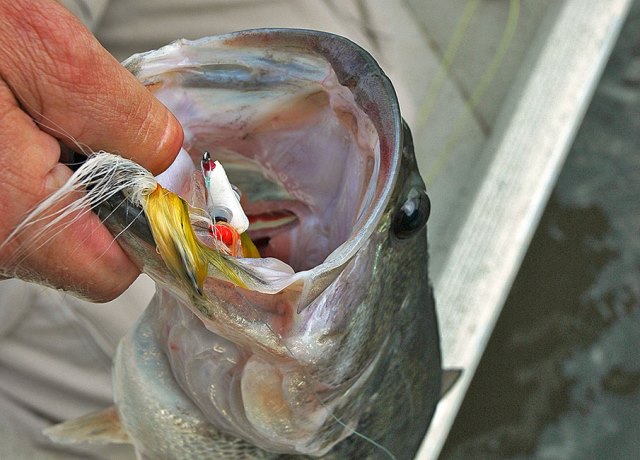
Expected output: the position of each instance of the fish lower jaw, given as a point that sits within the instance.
(256, 392)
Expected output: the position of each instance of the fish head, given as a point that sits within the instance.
(329, 342)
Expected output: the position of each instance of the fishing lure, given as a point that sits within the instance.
(228, 220)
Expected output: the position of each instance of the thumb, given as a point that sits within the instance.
(65, 79)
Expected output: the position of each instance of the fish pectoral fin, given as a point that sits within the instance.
(102, 427)
(449, 379)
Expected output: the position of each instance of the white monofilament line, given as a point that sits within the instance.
(98, 179)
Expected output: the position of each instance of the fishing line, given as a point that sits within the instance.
(101, 177)
(23, 252)
(115, 238)
(478, 92)
(447, 61)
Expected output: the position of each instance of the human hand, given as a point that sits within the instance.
(53, 71)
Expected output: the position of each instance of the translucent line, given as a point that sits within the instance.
(449, 55)
(478, 92)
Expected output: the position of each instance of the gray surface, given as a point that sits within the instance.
(480, 41)
(525, 152)
(561, 374)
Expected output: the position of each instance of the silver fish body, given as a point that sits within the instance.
(338, 358)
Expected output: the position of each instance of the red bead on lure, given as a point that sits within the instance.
(223, 204)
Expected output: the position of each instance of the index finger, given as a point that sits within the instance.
(67, 81)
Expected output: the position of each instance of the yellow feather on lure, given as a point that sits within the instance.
(178, 245)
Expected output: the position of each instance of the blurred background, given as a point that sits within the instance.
(561, 374)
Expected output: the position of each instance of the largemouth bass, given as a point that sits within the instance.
(327, 345)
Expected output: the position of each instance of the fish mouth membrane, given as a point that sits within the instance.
(291, 137)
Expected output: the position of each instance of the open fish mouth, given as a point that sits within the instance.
(291, 135)
(284, 112)
(316, 174)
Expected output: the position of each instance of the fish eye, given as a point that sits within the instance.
(412, 215)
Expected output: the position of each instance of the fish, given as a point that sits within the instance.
(325, 346)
